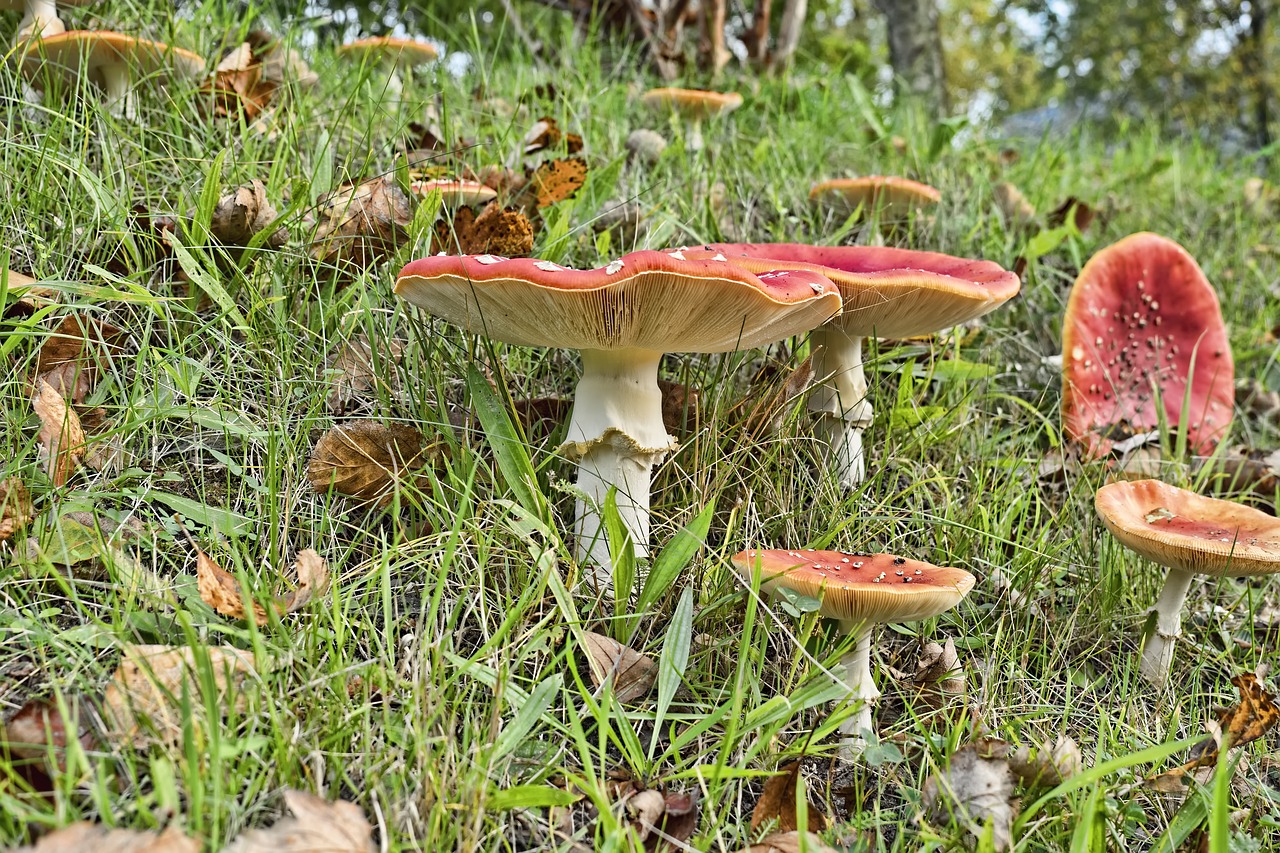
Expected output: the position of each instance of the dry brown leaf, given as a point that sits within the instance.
(555, 181)
(359, 225)
(789, 842)
(547, 134)
(1013, 204)
(680, 414)
(364, 460)
(313, 581)
(1081, 214)
(772, 401)
(663, 821)
(38, 733)
(221, 591)
(496, 231)
(633, 673)
(238, 86)
(354, 371)
(1045, 767)
(15, 507)
(149, 683)
(61, 436)
(71, 358)
(317, 826)
(975, 790)
(244, 212)
(85, 837)
(778, 802)
(938, 675)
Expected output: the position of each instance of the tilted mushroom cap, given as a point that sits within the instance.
(1139, 312)
(891, 196)
(456, 193)
(893, 293)
(400, 51)
(645, 300)
(90, 50)
(1183, 530)
(692, 103)
(860, 588)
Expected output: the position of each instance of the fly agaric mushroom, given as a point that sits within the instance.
(859, 591)
(887, 292)
(1143, 325)
(1190, 535)
(39, 18)
(455, 193)
(109, 60)
(891, 198)
(692, 105)
(394, 54)
(622, 318)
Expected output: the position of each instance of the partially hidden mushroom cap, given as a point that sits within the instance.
(69, 53)
(1184, 530)
(400, 51)
(860, 588)
(456, 193)
(692, 103)
(1141, 310)
(891, 197)
(892, 293)
(654, 301)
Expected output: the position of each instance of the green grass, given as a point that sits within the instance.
(443, 669)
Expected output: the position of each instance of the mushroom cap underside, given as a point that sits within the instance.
(67, 54)
(403, 51)
(692, 103)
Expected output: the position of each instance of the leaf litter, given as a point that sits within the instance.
(366, 460)
(633, 673)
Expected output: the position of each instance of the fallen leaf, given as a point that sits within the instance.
(84, 836)
(771, 400)
(679, 406)
(495, 231)
(61, 437)
(221, 591)
(355, 371)
(237, 86)
(1045, 767)
(663, 821)
(555, 181)
(633, 673)
(364, 460)
(1080, 214)
(313, 581)
(545, 134)
(15, 507)
(975, 790)
(1013, 204)
(244, 212)
(71, 358)
(317, 826)
(147, 688)
(938, 676)
(778, 802)
(358, 225)
(789, 842)
(35, 741)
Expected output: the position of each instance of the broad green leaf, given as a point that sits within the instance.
(674, 659)
(540, 699)
(509, 451)
(529, 797)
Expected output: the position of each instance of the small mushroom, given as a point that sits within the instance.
(393, 54)
(859, 591)
(455, 193)
(694, 106)
(892, 199)
(39, 18)
(621, 318)
(1190, 535)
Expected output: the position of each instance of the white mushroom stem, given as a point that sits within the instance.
(618, 436)
(1157, 654)
(695, 141)
(862, 690)
(116, 80)
(39, 20)
(840, 401)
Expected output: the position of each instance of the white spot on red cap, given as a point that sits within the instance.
(817, 288)
(678, 254)
(489, 259)
(613, 267)
(548, 266)
(719, 257)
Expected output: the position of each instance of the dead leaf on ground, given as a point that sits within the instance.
(365, 460)
(244, 212)
(778, 802)
(555, 181)
(546, 134)
(975, 790)
(633, 673)
(789, 842)
(939, 678)
(71, 358)
(148, 685)
(15, 507)
(84, 836)
(358, 225)
(221, 591)
(770, 399)
(356, 370)
(316, 825)
(1039, 766)
(495, 231)
(237, 86)
(1013, 204)
(679, 407)
(1080, 213)
(37, 733)
(663, 821)
(61, 437)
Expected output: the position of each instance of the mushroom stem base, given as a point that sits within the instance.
(605, 465)
(863, 692)
(840, 402)
(1157, 652)
(120, 99)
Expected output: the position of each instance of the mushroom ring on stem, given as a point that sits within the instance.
(1190, 535)
(894, 293)
(859, 590)
(621, 318)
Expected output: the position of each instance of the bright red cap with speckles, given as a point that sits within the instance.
(860, 588)
(656, 301)
(1140, 312)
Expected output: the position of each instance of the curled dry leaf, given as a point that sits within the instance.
(789, 842)
(364, 460)
(358, 225)
(555, 181)
(770, 400)
(146, 689)
(238, 86)
(663, 821)
(938, 674)
(545, 134)
(357, 369)
(316, 825)
(15, 507)
(221, 591)
(633, 673)
(61, 436)
(497, 230)
(976, 791)
(778, 802)
(84, 836)
(73, 356)
(313, 581)
(36, 740)
(244, 212)
(1046, 767)
(680, 412)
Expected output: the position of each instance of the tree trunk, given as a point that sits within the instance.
(915, 50)
(756, 39)
(715, 54)
(1256, 67)
(789, 30)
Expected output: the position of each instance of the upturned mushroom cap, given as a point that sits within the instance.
(402, 52)
(892, 197)
(648, 300)
(860, 588)
(456, 193)
(1140, 311)
(1183, 530)
(692, 103)
(892, 293)
(67, 54)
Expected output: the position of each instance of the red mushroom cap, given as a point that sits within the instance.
(1140, 311)
(892, 196)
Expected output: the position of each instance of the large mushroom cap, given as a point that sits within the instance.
(860, 588)
(891, 197)
(1183, 530)
(1139, 313)
(893, 293)
(692, 103)
(67, 54)
(456, 193)
(397, 50)
(655, 301)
